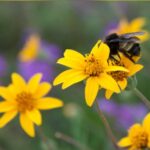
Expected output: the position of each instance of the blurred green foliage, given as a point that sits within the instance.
(70, 24)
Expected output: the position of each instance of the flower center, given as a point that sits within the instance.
(25, 101)
(139, 138)
(93, 66)
(118, 75)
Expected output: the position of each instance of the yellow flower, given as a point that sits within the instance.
(121, 77)
(138, 137)
(30, 50)
(135, 25)
(93, 67)
(26, 99)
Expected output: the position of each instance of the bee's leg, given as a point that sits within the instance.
(113, 58)
(110, 58)
(118, 56)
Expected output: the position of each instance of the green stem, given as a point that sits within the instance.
(70, 140)
(108, 128)
(142, 97)
(44, 139)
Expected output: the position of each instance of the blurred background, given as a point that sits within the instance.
(55, 26)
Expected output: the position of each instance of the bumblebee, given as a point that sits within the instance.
(128, 44)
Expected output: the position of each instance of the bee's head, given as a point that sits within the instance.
(114, 46)
(111, 37)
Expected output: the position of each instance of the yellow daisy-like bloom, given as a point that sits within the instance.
(138, 137)
(30, 50)
(26, 99)
(93, 67)
(121, 77)
(135, 25)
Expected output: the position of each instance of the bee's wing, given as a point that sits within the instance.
(129, 35)
(124, 40)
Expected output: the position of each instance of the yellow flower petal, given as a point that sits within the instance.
(123, 27)
(6, 94)
(136, 58)
(107, 82)
(30, 50)
(49, 103)
(96, 47)
(7, 117)
(34, 82)
(69, 53)
(43, 89)
(126, 61)
(101, 50)
(91, 90)
(108, 94)
(137, 24)
(73, 79)
(144, 37)
(133, 26)
(18, 81)
(148, 145)
(72, 59)
(116, 68)
(124, 142)
(122, 84)
(35, 116)
(134, 128)
(27, 125)
(13, 91)
(62, 77)
(72, 63)
(146, 123)
(134, 69)
(7, 106)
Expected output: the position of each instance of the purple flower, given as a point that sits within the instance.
(124, 115)
(111, 26)
(43, 63)
(28, 69)
(3, 66)
(51, 51)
